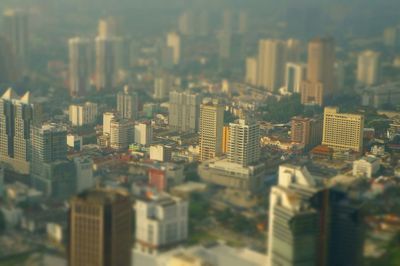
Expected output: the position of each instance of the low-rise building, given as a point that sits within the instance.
(366, 166)
(161, 222)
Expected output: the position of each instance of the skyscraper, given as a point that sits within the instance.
(295, 75)
(244, 142)
(100, 229)
(162, 86)
(9, 72)
(106, 69)
(174, 43)
(15, 23)
(342, 131)
(80, 68)
(51, 172)
(83, 114)
(312, 224)
(293, 222)
(271, 64)
(17, 115)
(144, 133)
(225, 44)
(320, 71)
(307, 131)
(368, 68)
(251, 71)
(211, 130)
(121, 133)
(128, 103)
(184, 111)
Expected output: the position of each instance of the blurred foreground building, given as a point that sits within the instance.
(100, 229)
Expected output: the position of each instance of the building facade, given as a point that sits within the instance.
(342, 131)
(100, 229)
(184, 111)
(211, 130)
(128, 104)
(161, 222)
(83, 114)
(244, 142)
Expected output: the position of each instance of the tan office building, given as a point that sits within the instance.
(271, 64)
(320, 71)
(211, 130)
(307, 131)
(100, 229)
(342, 131)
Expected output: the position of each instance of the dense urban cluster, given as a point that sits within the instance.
(221, 140)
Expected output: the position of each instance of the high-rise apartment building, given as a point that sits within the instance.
(310, 224)
(211, 129)
(320, 81)
(51, 172)
(106, 69)
(307, 131)
(17, 116)
(368, 65)
(121, 133)
(184, 111)
(100, 229)
(174, 43)
(128, 103)
(244, 142)
(251, 71)
(16, 31)
(144, 133)
(80, 68)
(342, 131)
(293, 223)
(161, 222)
(271, 64)
(295, 74)
(162, 86)
(83, 114)
(107, 118)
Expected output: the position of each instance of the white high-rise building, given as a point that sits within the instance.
(295, 74)
(368, 68)
(251, 71)
(121, 133)
(293, 223)
(107, 118)
(162, 86)
(128, 103)
(244, 142)
(144, 133)
(107, 61)
(184, 111)
(17, 115)
(161, 222)
(271, 64)
(80, 68)
(211, 130)
(174, 42)
(84, 173)
(83, 114)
